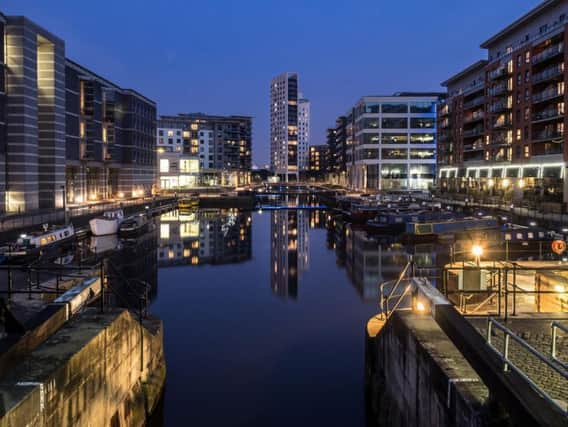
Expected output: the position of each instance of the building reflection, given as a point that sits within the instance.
(207, 236)
(289, 250)
(370, 262)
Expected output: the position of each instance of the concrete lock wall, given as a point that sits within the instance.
(98, 370)
(416, 377)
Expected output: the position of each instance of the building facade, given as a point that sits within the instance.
(501, 129)
(284, 153)
(394, 142)
(337, 146)
(303, 132)
(319, 160)
(64, 129)
(202, 150)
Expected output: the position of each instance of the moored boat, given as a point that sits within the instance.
(134, 225)
(106, 224)
(32, 244)
(449, 227)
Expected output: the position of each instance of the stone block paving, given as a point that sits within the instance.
(537, 333)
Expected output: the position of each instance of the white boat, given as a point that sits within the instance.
(107, 224)
(36, 242)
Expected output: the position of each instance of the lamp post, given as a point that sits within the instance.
(477, 251)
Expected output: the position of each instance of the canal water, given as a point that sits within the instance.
(264, 312)
(263, 326)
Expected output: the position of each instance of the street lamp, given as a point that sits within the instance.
(477, 251)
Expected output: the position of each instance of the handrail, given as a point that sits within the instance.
(508, 334)
(400, 298)
(384, 299)
(555, 325)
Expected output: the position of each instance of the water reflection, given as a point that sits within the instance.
(211, 236)
(289, 250)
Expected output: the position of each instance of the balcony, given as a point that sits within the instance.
(497, 107)
(444, 124)
(476, 146)
(547, 94)
(502, 123)
(444, 110)
(476, 131)
(501, 139)
(499, 89)
(548, 114)
(498, 73)
(443, 137)
(548, 53)
(547, 135)
(474, 102)
(476, 116)
(548, 74)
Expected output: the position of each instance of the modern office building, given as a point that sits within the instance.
(319, 160)
(285, 157)
(202, 150)
(394, 142)
(110, 138)
(501, 130)
(303, 132)
(64, 130)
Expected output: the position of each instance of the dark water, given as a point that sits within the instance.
(264, 313)
(268, 333)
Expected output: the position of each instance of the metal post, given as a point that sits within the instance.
(506, 279)
(514, 289)
(553, 350)
(489, 328)
(29, 284)
(10, 283)
(102, 288)
(499, 283)
(506, 352)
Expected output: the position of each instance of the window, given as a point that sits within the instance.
(519, 134)
(527, 113)
(394, 153)
(372, 108)
(189, 165)
(527, 57)
(170, 133)
(371, 138)
(527, 76)
(371, 124)
(519, 60)
(395, 123)
(395, 108)
(170, 140)
(422, 154)
(543, 28)
(164, 165)
(421, 123)
(161, 132)
(422, 138)
(422, 107)
(394, 138)
(526, 151)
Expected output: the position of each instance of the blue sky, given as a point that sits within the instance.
(218, 56)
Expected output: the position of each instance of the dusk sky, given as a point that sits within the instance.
(218, 56)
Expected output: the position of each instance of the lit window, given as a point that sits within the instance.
(164, 165)
(170, 133)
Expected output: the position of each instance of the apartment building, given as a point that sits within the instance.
(501, 130)
(394, 142)
(286, 156)
(64, 130)
(203, 150)
(303, 132)
(337, 145)
(319, 159)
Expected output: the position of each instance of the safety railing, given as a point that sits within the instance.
(508, 364)
(384, 299)
(555, 326)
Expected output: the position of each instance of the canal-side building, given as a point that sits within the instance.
(285, 155)
(110, 138)
(501, 130)
(394, 142)
(64, 130)
(197, 149)
(319, 160)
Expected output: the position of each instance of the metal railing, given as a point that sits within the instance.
(555, 326)
(384, 299)
(508, 364)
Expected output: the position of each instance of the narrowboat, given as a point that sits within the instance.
(38, 242)
(133, 225)
(449, 227)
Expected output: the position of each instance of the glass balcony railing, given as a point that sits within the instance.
(548, 94)
(474, 102)
(499, 72)
(547, 135)
(549, 113)
(478, 115)
(497, 107)
(548, 73)
(548, 53)
(499, 89)
(476, 131)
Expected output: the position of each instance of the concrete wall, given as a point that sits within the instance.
(98, 370)
(416, 377)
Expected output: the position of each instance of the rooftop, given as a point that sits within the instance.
(523, 20)
(473, 67)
